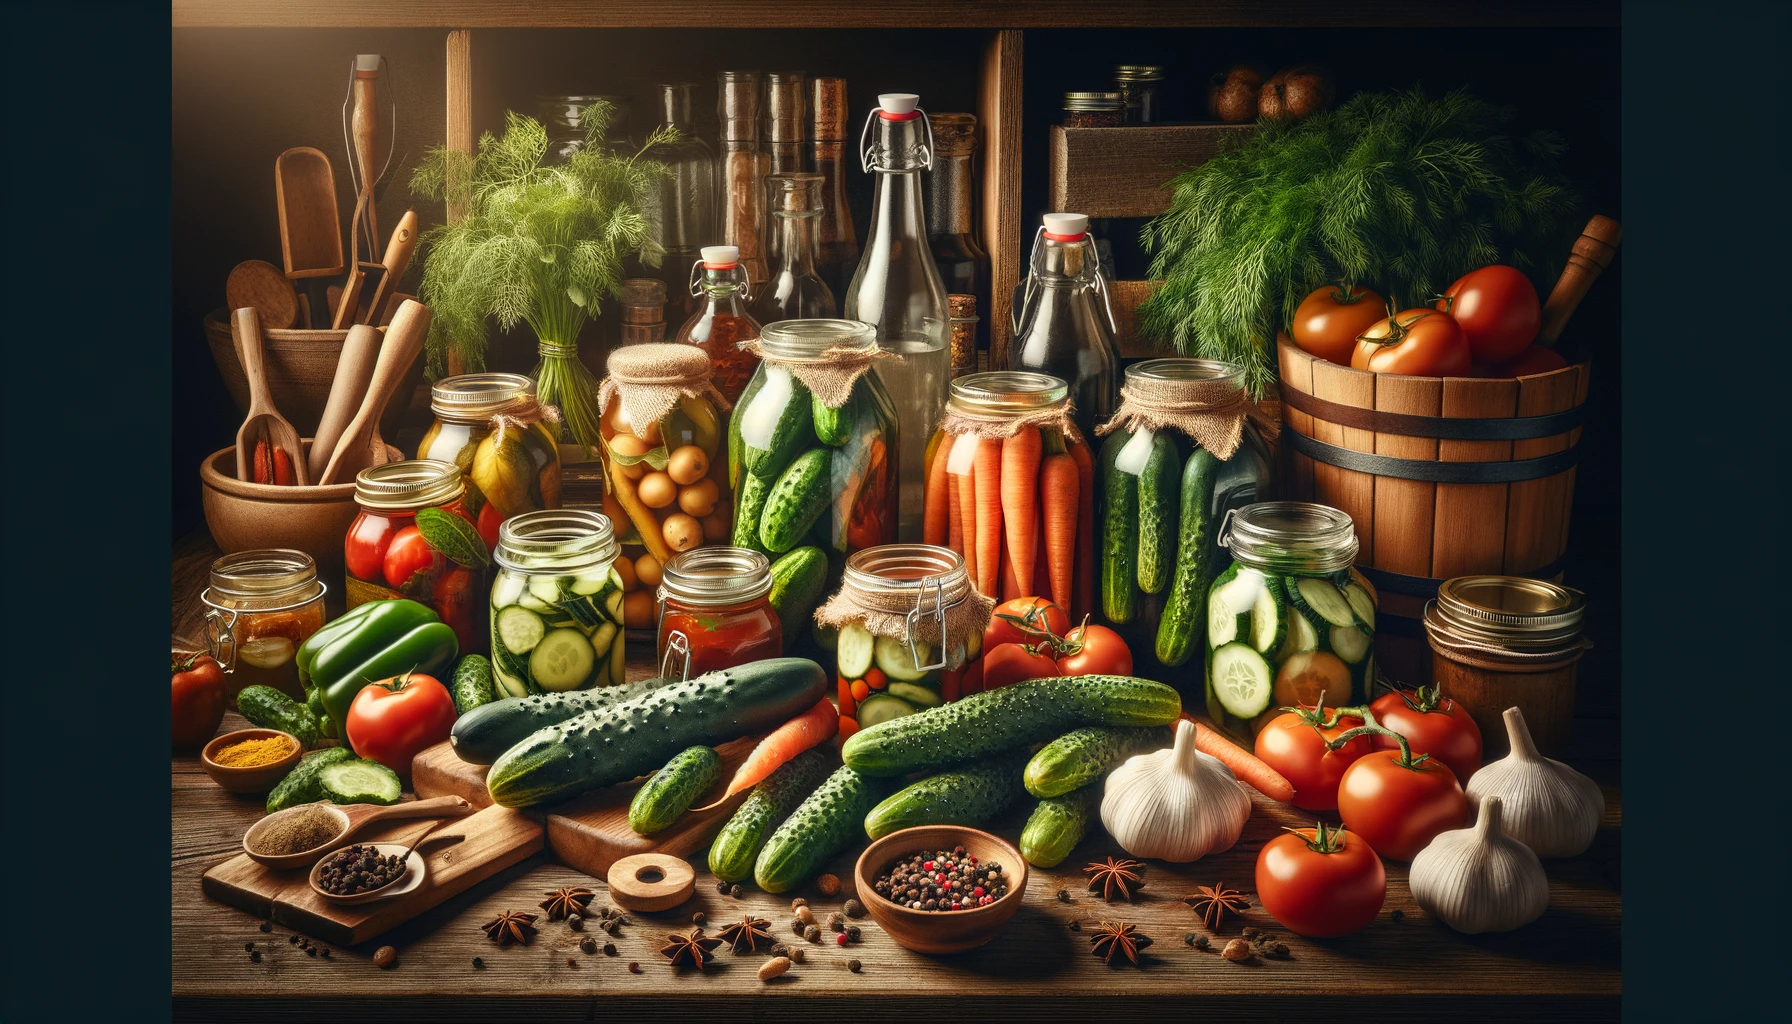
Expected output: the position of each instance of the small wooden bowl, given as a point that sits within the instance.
(947, 931)
(244, 516)
(258, 779)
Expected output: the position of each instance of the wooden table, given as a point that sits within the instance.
(1564, 966)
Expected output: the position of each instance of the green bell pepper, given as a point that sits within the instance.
(374, 641)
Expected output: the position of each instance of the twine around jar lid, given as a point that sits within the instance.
(827, 355)
(650, 378)
(418, 483)
(474, 397)
(910, 592)
(999, 403)
(1506, 615)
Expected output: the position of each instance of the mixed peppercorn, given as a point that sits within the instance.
(943, 880)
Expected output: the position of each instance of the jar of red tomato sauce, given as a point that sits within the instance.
(716, 612)
(414, 538)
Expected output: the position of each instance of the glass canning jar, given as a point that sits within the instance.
(1289, 622)
(389, 554)
(716, 612)
(1093, 110)
(556, 621)
(464, 406)
(261, 606)
(1141, 92)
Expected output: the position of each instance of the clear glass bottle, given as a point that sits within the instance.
(744, 163)
(838, 243)
(556, 621)
(1141, 92)
(722, 284)
(1067, 329)
(785, 104)
(715, 612)
(963, 265)
(897, 287)
(794, 291)
(682, 214)
(563, 118)
(260, 608)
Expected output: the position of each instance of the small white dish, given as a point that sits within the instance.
(410, 881)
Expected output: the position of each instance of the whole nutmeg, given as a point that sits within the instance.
(385, 958)
(1294, 93)
(828, 884)
(1232, 95)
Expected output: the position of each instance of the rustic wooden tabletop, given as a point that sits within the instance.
(1564, 966)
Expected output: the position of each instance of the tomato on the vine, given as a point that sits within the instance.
(1320, 883)
(407, 555)
(1295, 743)
(1010, 663)
(1094, 650)
(1498, 309)
(1397, 806)
(1414, 343)
(1024, 620)
(1432, 725)
(1329, 320)
(1534, 359)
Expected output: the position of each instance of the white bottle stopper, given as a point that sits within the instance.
(1070, 224)
(720, 256)
(367, 62)
(898, 104)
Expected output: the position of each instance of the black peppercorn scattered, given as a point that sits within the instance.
(734, 891)
(853, 966)
(812, 933)
(634, 967)
(292, 940)
(1201, 942)
(852, 933)
(267, 926)
(1076, 926)
(255, 957)
(1399, 916)
(1189, 939)
(575, 922)
(570, 962)
(781, 950)
(588, 945)
(310, 950)
(479, 963)
(837, 922)
(698, 918)
(1063, 895)
(722, 887)
(855, 909)
(326, 952)
(609, 949)
(248, 947)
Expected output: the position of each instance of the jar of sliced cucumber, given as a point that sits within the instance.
(556, 604)
(1289, 622)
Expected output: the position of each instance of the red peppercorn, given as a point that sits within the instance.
(973, 859)
(840, 939)
(928, 866)
(957, 906)
(977, 891)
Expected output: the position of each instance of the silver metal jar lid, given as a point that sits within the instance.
(1094, 101)
(1507, 611)
(418, 483)
(715, 576)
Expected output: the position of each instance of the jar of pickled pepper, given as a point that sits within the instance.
(415, 538)
(260, 607)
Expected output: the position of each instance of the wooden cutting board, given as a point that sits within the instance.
(591, 832)
(496, 838)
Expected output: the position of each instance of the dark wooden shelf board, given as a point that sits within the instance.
(1121, 172)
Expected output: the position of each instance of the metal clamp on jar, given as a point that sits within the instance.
(715, 612)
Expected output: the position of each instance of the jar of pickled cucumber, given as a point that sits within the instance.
(556, 604)
(1289, 622)
(909, 635)
(522, 469)
(666, 486)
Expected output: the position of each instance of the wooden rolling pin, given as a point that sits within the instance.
(1593, 252)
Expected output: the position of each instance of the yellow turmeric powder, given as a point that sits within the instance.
(253, 753)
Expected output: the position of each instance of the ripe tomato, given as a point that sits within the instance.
(199, 698)
(407, 555)
(1295, 745)
(1431, 725)
(1019, 622)
(391, 721)
(1498, 309)
(1094, 650)
(1414, 343)
(1010, 663)
(364, 550)
(1399, 809)
(1533, 359)
(1329, 320)
(1320, 882)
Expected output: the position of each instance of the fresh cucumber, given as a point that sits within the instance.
(823, 825)
(1004, 719)
(1351, 643)
(1057, 824)
(1324, 599)
(894, 659)
(853, 650)
(916, 694)
(520, 629)
(300, 786)
(796, 501)
(562, 661)
(1080, 756)
(616, 743)
(268, 708)
(1180, 626)
(799, 581)
(359, 782)
(472, 684)
(832, 426)
(881, 707)
(1269, 623)
(1241, 679)
(735, 848)
(781, 417)
(1160, 500)
(975, 794)
(484, 733)
(1119, 519)
(672, 790)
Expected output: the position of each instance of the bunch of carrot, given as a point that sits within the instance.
(1021, 510)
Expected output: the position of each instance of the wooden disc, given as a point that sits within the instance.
(674, 882)
(260, 284)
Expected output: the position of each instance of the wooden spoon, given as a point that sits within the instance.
(264, 422)
(260, 284)
(354, 818)
(354, 369)
(404, 342)
(310, 223)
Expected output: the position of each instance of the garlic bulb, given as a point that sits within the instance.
(1550, 807)
(1479, 879)
(1177, 804)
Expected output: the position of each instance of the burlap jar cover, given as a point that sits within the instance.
(521, 413)
(1007, 425)
(830, 374)
(651, 377)
(886, 613)
(1211, 412)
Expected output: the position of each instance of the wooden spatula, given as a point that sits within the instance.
(403, 344)
(397, 258)
(264, 422)
(354, 370)
(310, 224)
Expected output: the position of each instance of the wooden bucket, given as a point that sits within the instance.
(1443, 476)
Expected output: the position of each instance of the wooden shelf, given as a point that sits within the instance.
(1121, 172)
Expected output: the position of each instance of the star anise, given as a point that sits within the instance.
(1113, 939)
(1127, 876)
(564, 901)
(746, 936)
(691, 950)
(510, 926)
(1216, 901)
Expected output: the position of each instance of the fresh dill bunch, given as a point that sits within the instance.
(1400, 192)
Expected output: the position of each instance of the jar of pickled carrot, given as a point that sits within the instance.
(716, 612)
(910, 632)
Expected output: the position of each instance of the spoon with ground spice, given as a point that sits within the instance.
(298, 836)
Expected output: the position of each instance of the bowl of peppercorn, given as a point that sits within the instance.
(941, 888)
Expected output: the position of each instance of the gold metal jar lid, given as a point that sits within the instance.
(419, 483)
(1094, 101)
(1507, 611)
(474, 397)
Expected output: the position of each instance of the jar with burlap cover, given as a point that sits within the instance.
(908, 625)
(662, 424)
(1185, 447)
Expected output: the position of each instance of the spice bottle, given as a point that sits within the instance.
(1093, 110)
(1067, 327)
(897, 287)
(963, 265)
(261, 606)
(795, 291)
(715, 612)
(1141, 92)
(838, 244)
(681, 213)
(964, 333)
(643, 302)
(785, 121)
(391, 551)
(721, 283)
(744, 165)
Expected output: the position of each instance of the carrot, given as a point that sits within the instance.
(812, 728)
(1060, 493)
(1084, 576)
(1244, 764)
(935, 528)
(954, 524)
(1010, 587)
(1020, 480)
(966, 484)
(988, 470)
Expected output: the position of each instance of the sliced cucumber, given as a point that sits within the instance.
(1242, 680)
(1229, 606)
(1302, 637)
(537, 605)
(360, 782)
(506, 590)
(1325, 599)
(613, 605)
(1222, 625)
(1350, 643)
(520, 629)
(853, 650)
(1361, 603)
(512, 684)
(618, 665)
(894, 659)
(582, 611)
(562, 661)
(880, 708)
(585, 586)
(920, 696)
(1269, 622)
(545, 588)
(601, 637)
